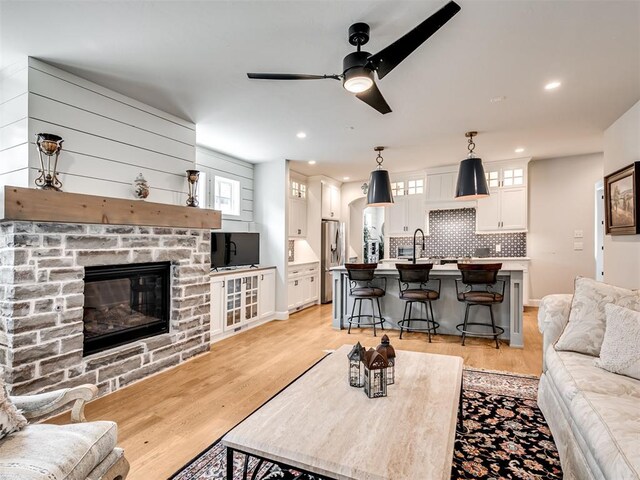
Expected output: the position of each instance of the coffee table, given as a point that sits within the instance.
(321, 425)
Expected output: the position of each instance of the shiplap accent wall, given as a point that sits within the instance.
(108, 138)
(212, 163)
(14, 160)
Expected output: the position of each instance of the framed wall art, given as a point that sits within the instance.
(622, 208)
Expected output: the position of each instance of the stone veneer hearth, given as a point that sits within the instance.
(41, 302)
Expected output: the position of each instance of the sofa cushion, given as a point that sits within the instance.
(572, 373)
(585, 330)
(56, 452)
(11, 420)
(620, 352)
(609, 427)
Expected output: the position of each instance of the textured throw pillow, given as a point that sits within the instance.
(585, 330)
(620, 352)
(11, 420)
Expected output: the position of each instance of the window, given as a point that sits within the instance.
(513, 177)
(226, 197)
(397, 188)
(492, 179)
(298, 190)
(415, 187)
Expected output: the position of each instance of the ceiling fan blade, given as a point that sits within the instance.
(390, 57)
(289, 76)
(373, 97)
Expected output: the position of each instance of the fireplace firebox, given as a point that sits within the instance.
(124, 303)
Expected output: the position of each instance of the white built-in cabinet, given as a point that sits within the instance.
(239, 299)
(506, 207)
(441, 187)
(408, 210)
(303, 285)
(297, 208)
(330, 202)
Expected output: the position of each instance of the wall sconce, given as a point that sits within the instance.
(48, 145)
(192, 178)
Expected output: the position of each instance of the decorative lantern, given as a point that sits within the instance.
(375, 374)
(386, 348)
(356, 357)
(49, 145)
(192, 178)
(141, 187)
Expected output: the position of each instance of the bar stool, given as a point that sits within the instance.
(361, 287)
(409, 274)
(479, 282)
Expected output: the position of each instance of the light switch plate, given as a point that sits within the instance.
(578, 245)
(578, 234)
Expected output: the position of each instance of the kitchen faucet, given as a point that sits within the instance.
(414, 242)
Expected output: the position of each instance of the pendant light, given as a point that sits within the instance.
(472, 183)
(379, 194)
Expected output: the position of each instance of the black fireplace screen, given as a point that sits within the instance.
(124, 303)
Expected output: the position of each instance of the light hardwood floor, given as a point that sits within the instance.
(166, 420)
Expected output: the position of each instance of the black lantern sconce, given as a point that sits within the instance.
(48, 145)
(192, 179)
(375, 374)
(356, 357)
(386, 348)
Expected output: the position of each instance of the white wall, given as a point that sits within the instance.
(350, 192)
(561, 200)
(14, 159)
(621, 148)
(271, 183)
(212, 163)
(108, 138)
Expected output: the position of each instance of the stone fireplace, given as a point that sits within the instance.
(51, 306)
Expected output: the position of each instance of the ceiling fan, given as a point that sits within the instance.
(358, 67)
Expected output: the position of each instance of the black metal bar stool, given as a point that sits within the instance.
(361, 287)
(412, 284)
(479, 281)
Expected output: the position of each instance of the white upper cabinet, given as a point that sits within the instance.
(408, 211)
(506, 207)
(441, 187)
(330, 202)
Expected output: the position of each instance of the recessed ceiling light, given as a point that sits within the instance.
(497, 99)
(552, 85)
(519, 150)
(345, 178)
(312, 162)
(301, 135)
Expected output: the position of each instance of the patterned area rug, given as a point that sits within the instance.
(506, 437)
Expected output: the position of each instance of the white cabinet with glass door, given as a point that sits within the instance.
(506, 207)
(408, 212)
(241, 300)
(297, 208)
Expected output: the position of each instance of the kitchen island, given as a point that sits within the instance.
(448, 311)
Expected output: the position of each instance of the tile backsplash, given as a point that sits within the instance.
(292, 251)
(452, 233)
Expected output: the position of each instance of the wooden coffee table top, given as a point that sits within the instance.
(321, 424)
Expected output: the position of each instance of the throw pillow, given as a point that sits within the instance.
(620, 352)
(11, 420)
(585, 330)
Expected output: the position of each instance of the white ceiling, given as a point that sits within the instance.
(190, 59)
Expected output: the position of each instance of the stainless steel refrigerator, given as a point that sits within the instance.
(332, 256)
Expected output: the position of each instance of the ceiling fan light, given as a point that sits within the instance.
(358, 79)
(472, 183)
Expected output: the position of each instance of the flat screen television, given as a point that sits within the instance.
(234, 249)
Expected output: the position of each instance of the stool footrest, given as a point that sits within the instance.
(496, 330)
(436, 325)
(368, 324)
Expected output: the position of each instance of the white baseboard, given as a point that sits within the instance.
(281, 315)
(533, 302)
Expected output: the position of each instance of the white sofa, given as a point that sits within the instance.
(594, 415)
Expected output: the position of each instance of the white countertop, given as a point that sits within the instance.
(473, 259)
(449, 267)
(307, 262)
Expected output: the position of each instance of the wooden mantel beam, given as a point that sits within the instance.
(30, 204)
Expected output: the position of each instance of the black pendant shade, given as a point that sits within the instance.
(472, 183)
(379, 194)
